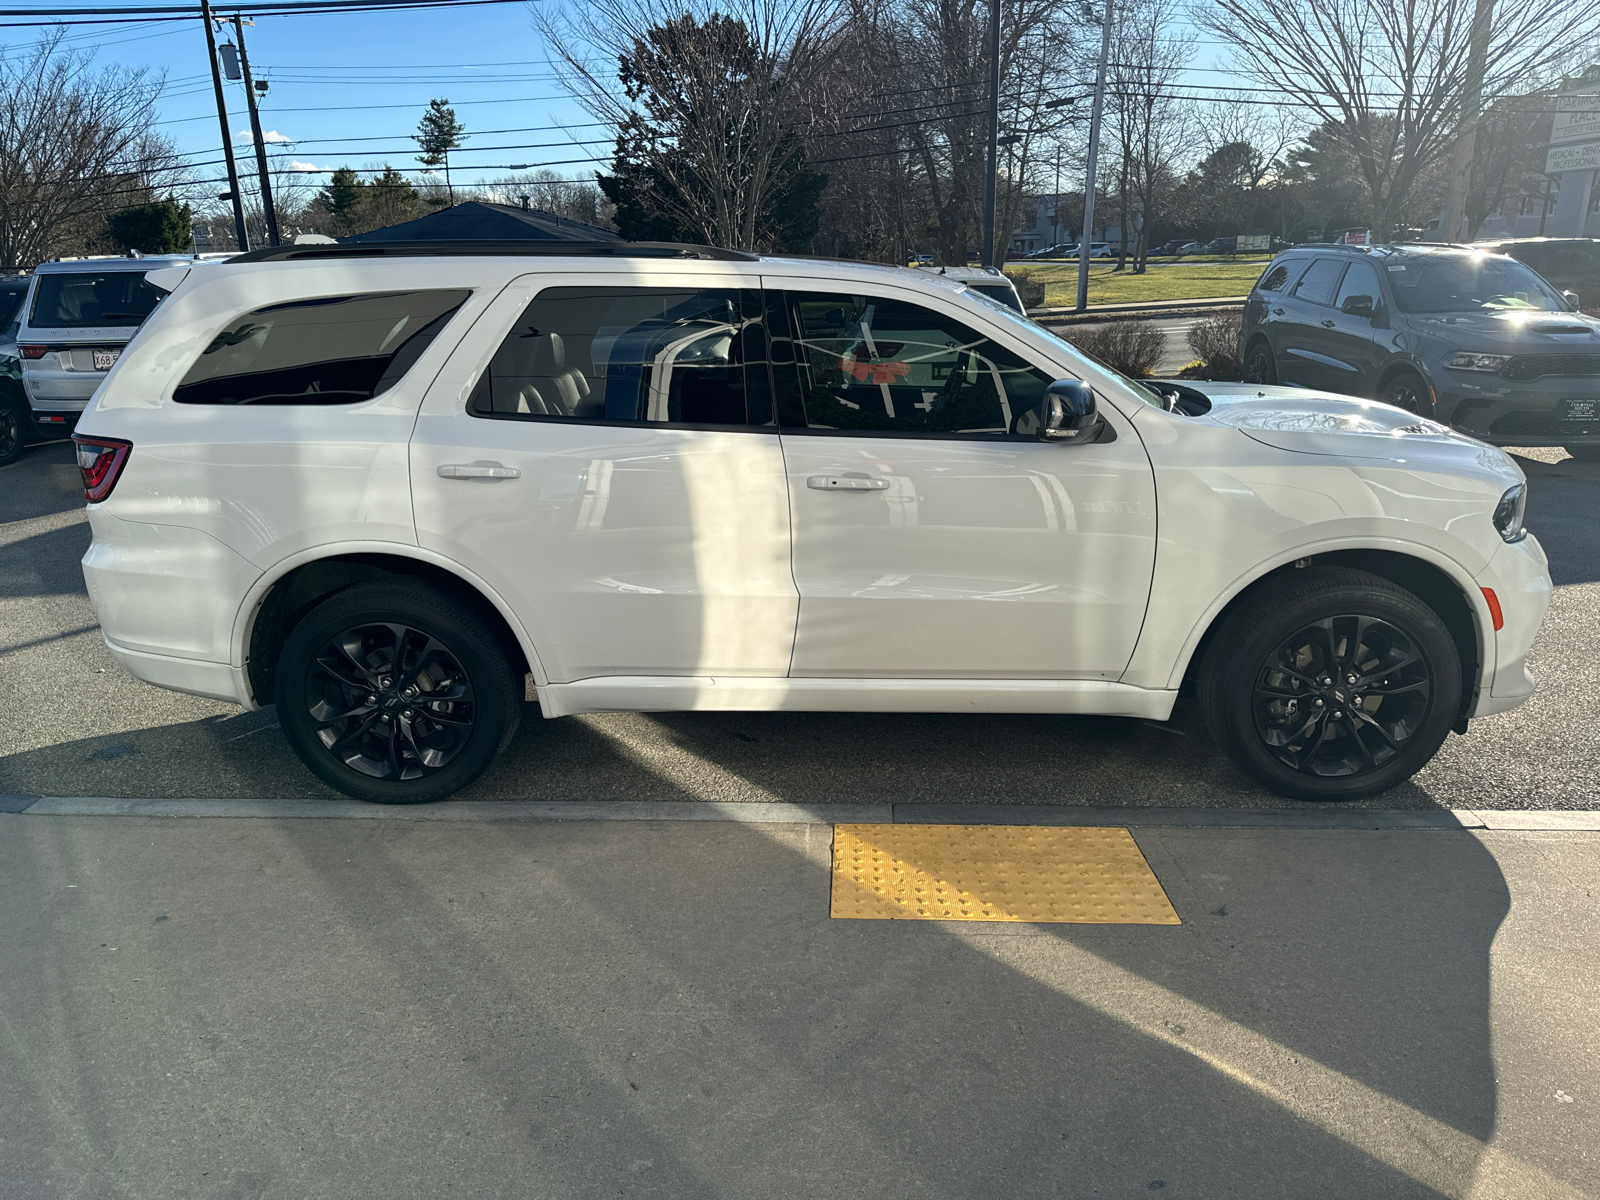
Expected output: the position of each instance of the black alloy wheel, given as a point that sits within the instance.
(13, 431)
(390, 701)
(1331, 684)
(1409, 391)
(394, 692)
(1341, 695)
(1259, 366)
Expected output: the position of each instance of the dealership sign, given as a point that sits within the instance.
(1575, 129)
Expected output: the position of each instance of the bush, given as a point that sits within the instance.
(1131, 347)
(1215, 340)
(1029, 290)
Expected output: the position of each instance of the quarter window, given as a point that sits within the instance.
(866, 364)
(331, 350)
(1317, 284)
(656, 355)
(1275, 278)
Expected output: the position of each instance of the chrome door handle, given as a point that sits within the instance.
(1277, 312)
(478, 471)
(846, 483)
(1327, 324)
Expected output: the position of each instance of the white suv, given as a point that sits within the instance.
(379, 485)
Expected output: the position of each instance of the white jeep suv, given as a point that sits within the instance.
(380, 485)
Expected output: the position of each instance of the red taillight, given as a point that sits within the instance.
(33, 351)
(100, 460)
(1498, 617)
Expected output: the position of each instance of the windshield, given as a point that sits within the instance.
(1441, 284)
(1139, 389)
(81, 299)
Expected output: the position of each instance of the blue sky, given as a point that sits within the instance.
(327, 73)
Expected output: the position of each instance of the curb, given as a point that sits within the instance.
(1061, 315)
(1542, 820)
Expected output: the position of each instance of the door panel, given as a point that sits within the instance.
(1303, 347)
(922, 551)
(628, 546)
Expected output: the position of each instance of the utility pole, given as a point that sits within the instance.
(1455, 208)
(255, 131)
(1094, 157)
(989, 176)
(227, 135)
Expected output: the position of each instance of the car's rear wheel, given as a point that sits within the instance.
(1331, 684)
(1584, 453)
(13, 430)
(1409, 391)
(395, 693)
(1259, 365)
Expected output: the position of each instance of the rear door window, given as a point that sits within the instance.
(10, 301)
(670, 356)
(85, 299)
(331, 350)
(1317, 284)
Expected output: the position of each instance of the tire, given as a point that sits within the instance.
(1584, 453)
(1260, 684)
(349, 717)
(1410, 391)
(1259, 365)
(14, 422)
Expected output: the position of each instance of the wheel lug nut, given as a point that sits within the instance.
(1349, 678)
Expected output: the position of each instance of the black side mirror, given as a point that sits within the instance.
(1572, 300)
(1358, 306)
(1066, 414)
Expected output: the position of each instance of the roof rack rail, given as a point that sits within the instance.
(511, 249)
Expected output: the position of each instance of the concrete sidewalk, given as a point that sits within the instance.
(288, 1007)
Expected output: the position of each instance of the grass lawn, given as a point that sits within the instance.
(1162, 282)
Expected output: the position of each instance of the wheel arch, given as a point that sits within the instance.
(291, 589)
(1400, 366)
(1447, 589)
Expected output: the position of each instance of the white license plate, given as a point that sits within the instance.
(1580, 410)
(104, 360)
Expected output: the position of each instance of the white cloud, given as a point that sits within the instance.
(271, 137)
(296, 165)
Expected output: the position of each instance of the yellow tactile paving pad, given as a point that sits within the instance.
(1082, 874)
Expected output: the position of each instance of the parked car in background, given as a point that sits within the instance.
(1222, 245)
(15, 425)
(1173, 249)
(381, 485)
(79, 314)
(1474, 341)
(1567, 264)
(986, 281)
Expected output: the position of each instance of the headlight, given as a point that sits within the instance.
(1478, 362)
(1508, 513)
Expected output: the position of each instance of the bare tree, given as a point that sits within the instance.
(544, 189)
(1389, 75)
(707, 95)
(1151, 128)
(75, 141)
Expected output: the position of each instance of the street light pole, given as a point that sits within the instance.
(1094, 156)
(227, 136)
(1455, 208)
(267, 207)
(989, 176)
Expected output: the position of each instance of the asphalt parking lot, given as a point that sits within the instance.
(76, 725)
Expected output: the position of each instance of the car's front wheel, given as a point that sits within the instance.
(393, 692)
(1259, 366)
(1331, 684)
(13, 429)
(1409, 391)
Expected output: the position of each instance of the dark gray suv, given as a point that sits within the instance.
(1476, 341)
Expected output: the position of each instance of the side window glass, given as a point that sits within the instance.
(1316, 285)
(1360, 280)
(659, 355)
(875, 365)
(1275, 278)
(332, 350)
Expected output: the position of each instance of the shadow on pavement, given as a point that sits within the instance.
(1563, 512)
(353, 1007)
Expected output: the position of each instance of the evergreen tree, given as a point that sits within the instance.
(343, 195)
(161, 227)
(437, 134)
